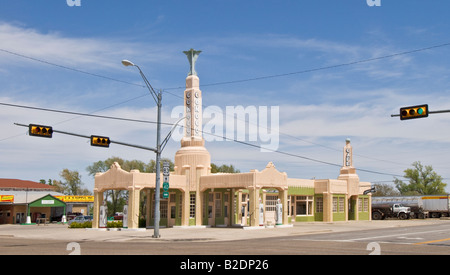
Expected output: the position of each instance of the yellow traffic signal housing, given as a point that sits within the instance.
(100, 141)
(40, 131)
(412, 112)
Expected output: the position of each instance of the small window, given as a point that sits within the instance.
(319, 205)
(341, 204)
(192, 206)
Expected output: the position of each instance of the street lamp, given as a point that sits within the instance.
(157, 97)
(127, 63)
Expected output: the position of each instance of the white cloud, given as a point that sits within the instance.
(339, 105)
(91, 53)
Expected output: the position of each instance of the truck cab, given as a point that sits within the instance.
(402, 212)
(380, 211)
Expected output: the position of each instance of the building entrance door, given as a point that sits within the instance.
(20, 217)
(172, 210)
(271, 203)
(226, 209)
(210, 209)
(163, 212)
(215, 210)
(244, 209)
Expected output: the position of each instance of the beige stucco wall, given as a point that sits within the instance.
(118, 179)
(330, 186)
(300, 183)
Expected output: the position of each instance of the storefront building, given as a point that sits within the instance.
(256, 198)
(27, 202)
(20, 199)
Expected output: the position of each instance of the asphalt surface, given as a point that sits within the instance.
(431, 236)
(63, 233)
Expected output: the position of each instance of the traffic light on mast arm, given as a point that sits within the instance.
(100, 141)
(412, 112)
(40, 131)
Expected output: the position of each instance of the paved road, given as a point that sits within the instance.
(383, 237)
(421, 240)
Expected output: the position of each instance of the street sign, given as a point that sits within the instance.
(166, 174)
(165, 186)
(166, 168)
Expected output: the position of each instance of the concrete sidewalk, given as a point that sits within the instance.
(63, 233)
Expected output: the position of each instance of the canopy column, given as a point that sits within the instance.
(98, 201)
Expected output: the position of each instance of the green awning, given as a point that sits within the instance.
(47, 201)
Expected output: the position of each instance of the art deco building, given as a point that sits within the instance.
(199, 198)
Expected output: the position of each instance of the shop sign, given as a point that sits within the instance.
(6, 198)
(76, 198)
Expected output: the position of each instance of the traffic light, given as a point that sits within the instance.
(418, 111)
(40, 131)
(100, 141)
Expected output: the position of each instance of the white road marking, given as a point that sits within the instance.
(399, 236)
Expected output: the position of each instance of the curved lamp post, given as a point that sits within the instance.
(157, 97)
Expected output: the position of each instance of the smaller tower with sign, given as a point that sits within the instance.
(348, 172)
(348, 155)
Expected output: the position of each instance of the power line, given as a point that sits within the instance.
(299, 156)
(71, 69)
(321, 68)
(240, 80)
(80, 114)
(203, 132)
(225, 82)
(300, 139)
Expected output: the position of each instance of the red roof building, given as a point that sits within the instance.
(15, 184)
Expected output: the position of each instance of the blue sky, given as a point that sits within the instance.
(240, 40)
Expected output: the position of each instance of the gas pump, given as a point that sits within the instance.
(279, 213)
(103, 215)
(125, 216)
(261, 213)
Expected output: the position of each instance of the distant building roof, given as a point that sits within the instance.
(15, 184)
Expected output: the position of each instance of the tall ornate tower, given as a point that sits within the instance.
(192, 159)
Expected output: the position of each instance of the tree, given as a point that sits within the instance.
(383, 189)
(223, 169)
(49, 182)
(116, 199)
(71, 184)
(151, 167)
(127, 165)
(422, 181)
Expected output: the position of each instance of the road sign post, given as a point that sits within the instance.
(166, 174)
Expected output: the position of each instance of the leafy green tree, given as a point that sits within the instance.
(127, 165)
(422, 181)
(151, 167)
(71, 184)
(223, 169)
(116, 199)
(383, 189)
(49, 182)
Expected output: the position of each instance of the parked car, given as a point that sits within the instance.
(80, 219)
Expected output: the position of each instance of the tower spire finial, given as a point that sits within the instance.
(192, 56)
